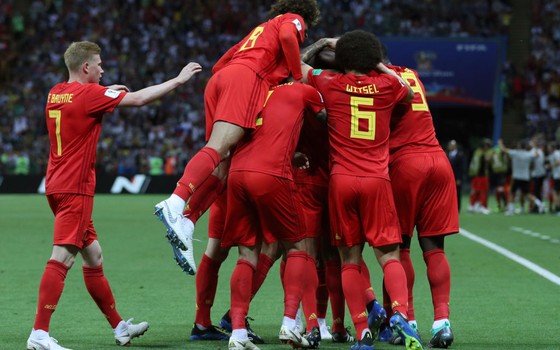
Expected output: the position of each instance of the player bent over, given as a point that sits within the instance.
(74, 113)
(262, 205)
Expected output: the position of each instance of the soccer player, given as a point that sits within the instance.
(262, 206)
(74, 113)
(479, 168)
(233, 97)
(425, 195)
(359, 104)
(521, 159)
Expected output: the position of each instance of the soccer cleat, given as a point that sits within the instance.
(313, 338)
(365, 344)
(210, 333)
(343, 337)
(126, 331)
(225, 323)
(400, 325)
(292, 337)
(47, 343)
(179, 234)
(182, 260)
(385, 333)
(442, 337)
(253, 337)
(325, 333)
(375, 318)
(235, 344)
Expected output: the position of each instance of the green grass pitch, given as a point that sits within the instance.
(496, 303)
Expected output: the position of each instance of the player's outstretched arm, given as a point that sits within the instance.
(154, 92)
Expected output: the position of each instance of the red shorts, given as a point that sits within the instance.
(261, 206)
(480, 184)
(362, 209)
(313, 200)
(235, 94)
(72, 219)
(425, 194)
(217, 217)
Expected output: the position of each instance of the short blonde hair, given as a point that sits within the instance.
(79, 53)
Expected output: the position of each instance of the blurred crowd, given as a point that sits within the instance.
(147, 41)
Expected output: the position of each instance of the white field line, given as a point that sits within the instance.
(535, 234)
(512, 256)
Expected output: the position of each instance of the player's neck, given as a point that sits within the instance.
(353, 72)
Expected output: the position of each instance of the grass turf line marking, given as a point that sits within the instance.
(535, 234)
(512, 256)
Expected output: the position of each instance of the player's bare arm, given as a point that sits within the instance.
(383, 69)
(310, 51)
(154, 92)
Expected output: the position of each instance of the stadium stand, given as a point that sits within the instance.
(156, 37)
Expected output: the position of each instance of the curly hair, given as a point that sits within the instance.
(307, 9)
(358, 50)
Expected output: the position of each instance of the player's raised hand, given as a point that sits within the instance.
(188, 71)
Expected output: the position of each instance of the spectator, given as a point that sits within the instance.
(457, 160)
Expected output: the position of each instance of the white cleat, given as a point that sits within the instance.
(126, 331)
(179, 234)
(292, 337)
(325, 333)
(235, 344)
(47, 343)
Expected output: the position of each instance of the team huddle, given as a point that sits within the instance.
(309, 156)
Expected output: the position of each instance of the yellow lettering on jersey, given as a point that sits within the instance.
(251, 41)
(414, 84)
(60, 98)
(368, 89)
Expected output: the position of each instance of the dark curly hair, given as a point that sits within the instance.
(307, 9)
(358, 50)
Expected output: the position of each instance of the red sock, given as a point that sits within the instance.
(322, 292)
(439, 277)
(484, 199)
(197, 171)
(263, 266)
(294, 279)
(472, 199)
(240, 285)
(206, 285)
(410, 277)
(395, 282)
(203, 198)
(50, 290)
(100, 291)
(352, 284)
(309, 300)
(369, 295)
(336, 294)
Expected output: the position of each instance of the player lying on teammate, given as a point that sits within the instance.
(234, 96)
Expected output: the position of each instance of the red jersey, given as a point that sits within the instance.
(270, 148)
(73, 113)
(359, 112)
(261, 49)
(314, 143)
(412, 126)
